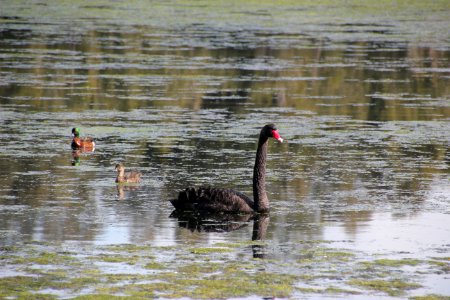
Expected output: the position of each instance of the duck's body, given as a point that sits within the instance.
(83, 143)
(127, 177)
(227, 200)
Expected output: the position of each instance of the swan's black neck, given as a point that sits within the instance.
(261, 202)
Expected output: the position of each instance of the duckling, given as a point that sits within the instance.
(84, 143)
(128, 177)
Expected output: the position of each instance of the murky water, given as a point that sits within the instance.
(179, 92)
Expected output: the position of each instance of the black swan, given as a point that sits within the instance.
(227, 200)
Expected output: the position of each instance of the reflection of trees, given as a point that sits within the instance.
(353, 179)
(47, 199)
(126, 70)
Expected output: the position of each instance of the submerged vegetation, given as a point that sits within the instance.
(184, 272)
(391, 287)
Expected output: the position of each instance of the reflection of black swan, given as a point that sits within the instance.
(227, 200)
(211, 222)
(260, 224)
(223, 222)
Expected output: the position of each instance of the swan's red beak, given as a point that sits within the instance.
(277, 136)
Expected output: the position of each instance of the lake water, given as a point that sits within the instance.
(179, 91)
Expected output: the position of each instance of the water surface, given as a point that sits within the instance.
(180, 91)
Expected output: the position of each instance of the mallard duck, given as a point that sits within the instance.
(84, 143)
(127, 177)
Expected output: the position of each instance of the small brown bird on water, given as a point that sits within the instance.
(127, 177)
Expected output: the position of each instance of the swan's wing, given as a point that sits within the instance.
(213, 200)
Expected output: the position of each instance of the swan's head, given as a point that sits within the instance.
(271, 131)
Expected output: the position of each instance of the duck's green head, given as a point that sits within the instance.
(76, 132)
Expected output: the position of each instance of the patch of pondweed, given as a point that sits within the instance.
(226, 286)
(316, 255)
(165, 248)
(200, 268)
(130, 260)
(117, 278)
(336, 290)
(53, 273)
(45, 258)
(129, 248)
(209, 250)
(203, 272)
(12, 249)
(430, 297)
(395, 262)
(309, 290)
(230, 245)
(150, 290)
(155, 266)
(442, 264)
(34, 296)
(79, 283)
(100, 297)
(391, 287)
(25, 286)
(206, 280)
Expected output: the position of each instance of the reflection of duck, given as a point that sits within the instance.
(208, 222)
(121, 189)
(76, 157)
(126, 177)
(227, 200)
(81, 143)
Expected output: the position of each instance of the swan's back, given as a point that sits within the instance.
(212, 200)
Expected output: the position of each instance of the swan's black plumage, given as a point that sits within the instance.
(212, 200)
(227, 200)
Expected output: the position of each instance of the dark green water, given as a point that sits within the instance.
(179, 91)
